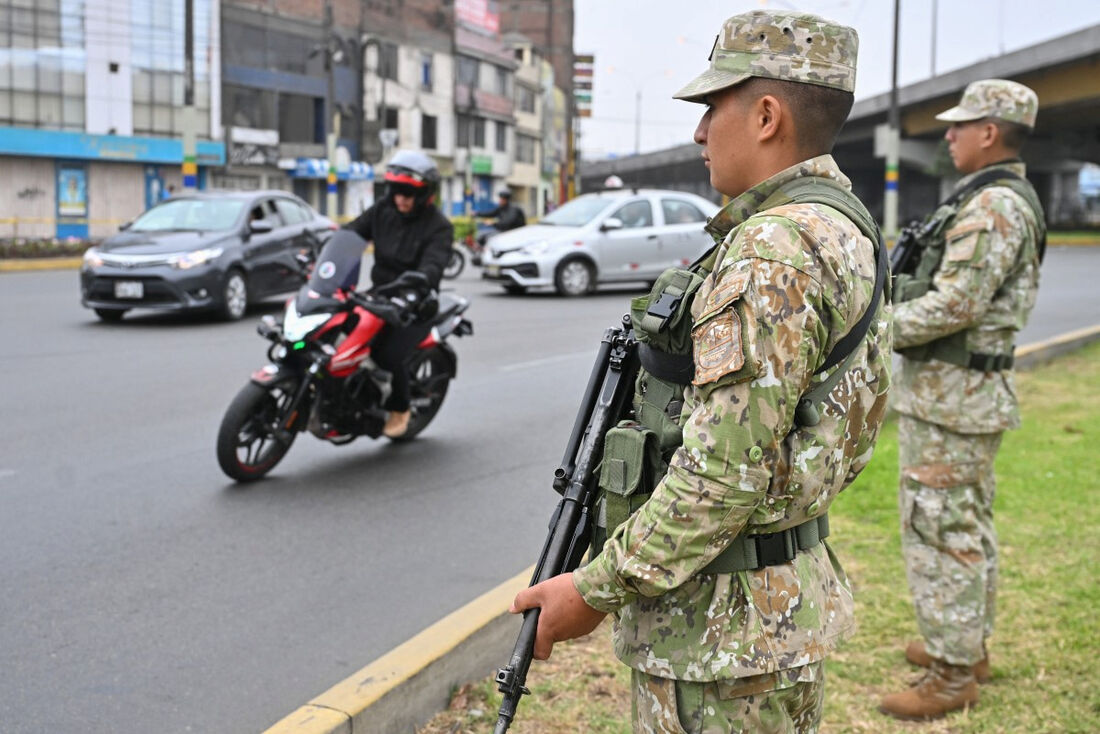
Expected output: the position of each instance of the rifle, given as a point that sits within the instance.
(610, 387)
(904, 256)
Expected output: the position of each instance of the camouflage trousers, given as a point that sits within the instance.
(948, 541)
(787, 702)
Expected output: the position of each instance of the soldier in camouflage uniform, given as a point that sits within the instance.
(956, 396)
(714, 650)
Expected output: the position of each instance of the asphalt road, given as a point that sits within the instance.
(143, 591)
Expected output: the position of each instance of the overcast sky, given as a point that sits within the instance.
(657, 46)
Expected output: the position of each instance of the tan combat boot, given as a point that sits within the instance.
(917, 654)
(397, 422)
(943, 688)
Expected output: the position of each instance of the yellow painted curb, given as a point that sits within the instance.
(41, 263)
(337, 707)
(1069, 337)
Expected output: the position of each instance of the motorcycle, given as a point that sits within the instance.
(321, 377)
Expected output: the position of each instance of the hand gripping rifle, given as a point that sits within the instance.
(607, 395)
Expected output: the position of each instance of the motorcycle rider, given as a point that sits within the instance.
(508, 216)
(411, 236)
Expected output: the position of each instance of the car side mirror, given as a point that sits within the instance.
(259, 226)
(611, 223)
(125, 226)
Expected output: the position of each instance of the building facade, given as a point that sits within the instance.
(525, 180)
(409, 83)
(290, 71)
(92, 113)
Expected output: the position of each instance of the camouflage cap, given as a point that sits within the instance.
(999, 98)
(795, 47)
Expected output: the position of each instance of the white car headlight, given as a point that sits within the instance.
(92, 258)
(186, 260)
(536, 248)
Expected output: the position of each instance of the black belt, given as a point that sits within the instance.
(753, 552)
(991, 362)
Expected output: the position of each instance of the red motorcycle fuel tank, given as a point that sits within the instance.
(356, 346)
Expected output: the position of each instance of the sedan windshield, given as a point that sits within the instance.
(578, 212)
(203, 215)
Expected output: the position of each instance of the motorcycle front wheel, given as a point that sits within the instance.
(429, 377)
(247, 446)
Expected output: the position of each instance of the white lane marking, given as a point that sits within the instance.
(544, 361)
(5, 473)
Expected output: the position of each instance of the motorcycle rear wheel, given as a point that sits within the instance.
(429, 377)
(247, 447)
(455, 264)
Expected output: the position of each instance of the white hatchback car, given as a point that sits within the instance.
(610, 236)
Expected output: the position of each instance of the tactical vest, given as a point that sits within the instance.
(931, 246)
(637, 452)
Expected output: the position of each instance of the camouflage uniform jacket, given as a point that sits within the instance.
(986, 285)
(789, 283)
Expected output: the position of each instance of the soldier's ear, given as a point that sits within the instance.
(990, 134)
(769, 116)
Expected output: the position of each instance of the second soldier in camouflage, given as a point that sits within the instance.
(955, 323)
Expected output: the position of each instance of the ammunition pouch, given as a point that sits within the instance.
(631, 467)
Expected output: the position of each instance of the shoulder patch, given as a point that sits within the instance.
(730, 288)
(718, 349)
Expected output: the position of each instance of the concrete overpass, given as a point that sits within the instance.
(1064, 72)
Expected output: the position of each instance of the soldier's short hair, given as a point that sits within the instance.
(1013, 134)
(819, 112)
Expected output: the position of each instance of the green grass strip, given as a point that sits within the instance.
(1044, 649)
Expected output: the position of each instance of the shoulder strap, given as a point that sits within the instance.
(821, 190)
(826, 191)
(1019, 184)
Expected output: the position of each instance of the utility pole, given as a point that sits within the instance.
(190, 168)
(332, 122)
(893, 144)
(637, 120)
(935, 29)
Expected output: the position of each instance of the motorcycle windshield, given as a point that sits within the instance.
(338, 263)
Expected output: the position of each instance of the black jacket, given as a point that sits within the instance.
(422, 243)
(509, 216)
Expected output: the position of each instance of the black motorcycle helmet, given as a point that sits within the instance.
(414, 174)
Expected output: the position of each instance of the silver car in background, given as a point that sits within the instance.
(606, 237)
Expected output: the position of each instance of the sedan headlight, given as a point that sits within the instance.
(186, 260)
(92, 258)
(536, 248)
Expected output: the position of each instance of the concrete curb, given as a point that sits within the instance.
(409, 685)
(1033, 355)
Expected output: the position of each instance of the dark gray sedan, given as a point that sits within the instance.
(217, 250)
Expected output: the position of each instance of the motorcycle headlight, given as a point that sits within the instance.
(186, 260)
(297, 327)
(92, 258)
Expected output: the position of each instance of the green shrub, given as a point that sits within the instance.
(44, 247)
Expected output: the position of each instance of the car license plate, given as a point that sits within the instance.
(494, 270)
(129, 289)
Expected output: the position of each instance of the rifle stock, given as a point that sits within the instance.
(609, 388)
